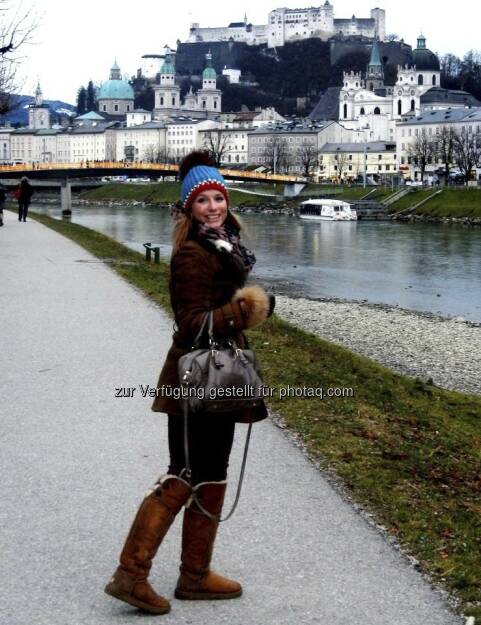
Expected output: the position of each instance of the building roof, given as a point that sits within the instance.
(85, 130)
(375, 56)
(372, 146)
(145, 126)
(139, 111)
(182, 121)
(289, 128)
(236, 25)
(328, 105)
(424, 59)
(116, 90)
(91, 115)
(449, 96)
(442, 116)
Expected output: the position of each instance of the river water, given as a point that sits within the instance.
(430, 268)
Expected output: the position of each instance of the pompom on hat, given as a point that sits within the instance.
(197, 174)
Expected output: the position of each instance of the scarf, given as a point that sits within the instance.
(227, 239)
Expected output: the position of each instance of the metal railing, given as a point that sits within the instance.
(121, 166)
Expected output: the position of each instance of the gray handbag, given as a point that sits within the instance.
(220, 378)
(217, 379)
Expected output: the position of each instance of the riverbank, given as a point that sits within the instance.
(451, 206)
(407, 451)
(446, 352)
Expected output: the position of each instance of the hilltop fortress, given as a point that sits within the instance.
(286, 25)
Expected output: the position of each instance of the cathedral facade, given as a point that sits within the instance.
(206, 103)
(366, 102)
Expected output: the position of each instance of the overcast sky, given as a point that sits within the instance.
(79, 41)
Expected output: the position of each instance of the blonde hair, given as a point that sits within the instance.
(183, 226)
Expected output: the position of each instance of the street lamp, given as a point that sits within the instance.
(365, 128)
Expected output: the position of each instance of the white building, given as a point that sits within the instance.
(366, 103)
(347, 161)
(236, 31)
(141, 142)
(431, 124)
(138, 116)
(284, 25)
(295, 141)
(5, 145)
(38, 112)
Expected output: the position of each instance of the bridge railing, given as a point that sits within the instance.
(163, 167)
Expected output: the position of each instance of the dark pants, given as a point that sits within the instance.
(23, 209)
(210, 443)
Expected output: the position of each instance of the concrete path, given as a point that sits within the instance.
(75, 462)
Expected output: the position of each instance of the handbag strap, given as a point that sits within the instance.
(188, 472)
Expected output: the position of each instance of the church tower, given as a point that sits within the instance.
(352, 83)
(209, 98)
(38, 113)
(167, 93)
(375, 70)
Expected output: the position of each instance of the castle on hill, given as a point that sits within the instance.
(285, 25)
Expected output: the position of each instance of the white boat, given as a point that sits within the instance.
(327, 210)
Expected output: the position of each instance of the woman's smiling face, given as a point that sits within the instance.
(210, 207)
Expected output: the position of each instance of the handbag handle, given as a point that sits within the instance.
(209, 321)
(188, 472)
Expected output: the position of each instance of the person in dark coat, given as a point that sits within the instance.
(24, 195)
(3, 197)
(209, 267)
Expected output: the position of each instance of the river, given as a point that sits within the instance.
(429, 268)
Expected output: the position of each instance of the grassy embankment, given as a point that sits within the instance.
(407, 451)
(449, 203)
(170, 191)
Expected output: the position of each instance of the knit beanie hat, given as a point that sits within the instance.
(198, 173)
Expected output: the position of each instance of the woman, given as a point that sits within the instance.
(209, 267)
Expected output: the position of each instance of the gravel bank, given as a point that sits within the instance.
(410, 343)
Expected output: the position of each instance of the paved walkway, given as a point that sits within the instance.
(75, 462)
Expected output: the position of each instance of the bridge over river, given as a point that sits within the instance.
(62, 175)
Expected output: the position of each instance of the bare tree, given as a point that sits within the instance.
(307, 156)
(342, 160)
(467, 151)
(276, 154)
(392, 37)
(445, 149)
(218, 143)
(154, 154)
(17, 25)
(422, 151)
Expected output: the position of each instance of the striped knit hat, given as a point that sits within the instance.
(198, 173)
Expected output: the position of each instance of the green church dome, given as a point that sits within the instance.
(116, 90)
(424, 59)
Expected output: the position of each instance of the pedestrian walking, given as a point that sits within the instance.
(3, 197)
(24, 195)
(209, 267)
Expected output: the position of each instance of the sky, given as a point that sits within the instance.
(76, 42)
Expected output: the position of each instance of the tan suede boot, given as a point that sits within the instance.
(196, 580)
(154, 517)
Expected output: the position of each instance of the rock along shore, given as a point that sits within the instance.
(447, 351)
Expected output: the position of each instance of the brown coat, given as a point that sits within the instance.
(203, 279)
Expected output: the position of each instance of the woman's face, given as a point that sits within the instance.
(210, 207)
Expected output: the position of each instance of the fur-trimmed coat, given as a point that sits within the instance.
(202, 279)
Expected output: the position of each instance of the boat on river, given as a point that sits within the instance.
(327, 210)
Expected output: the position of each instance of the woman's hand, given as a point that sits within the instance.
(255, 304)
